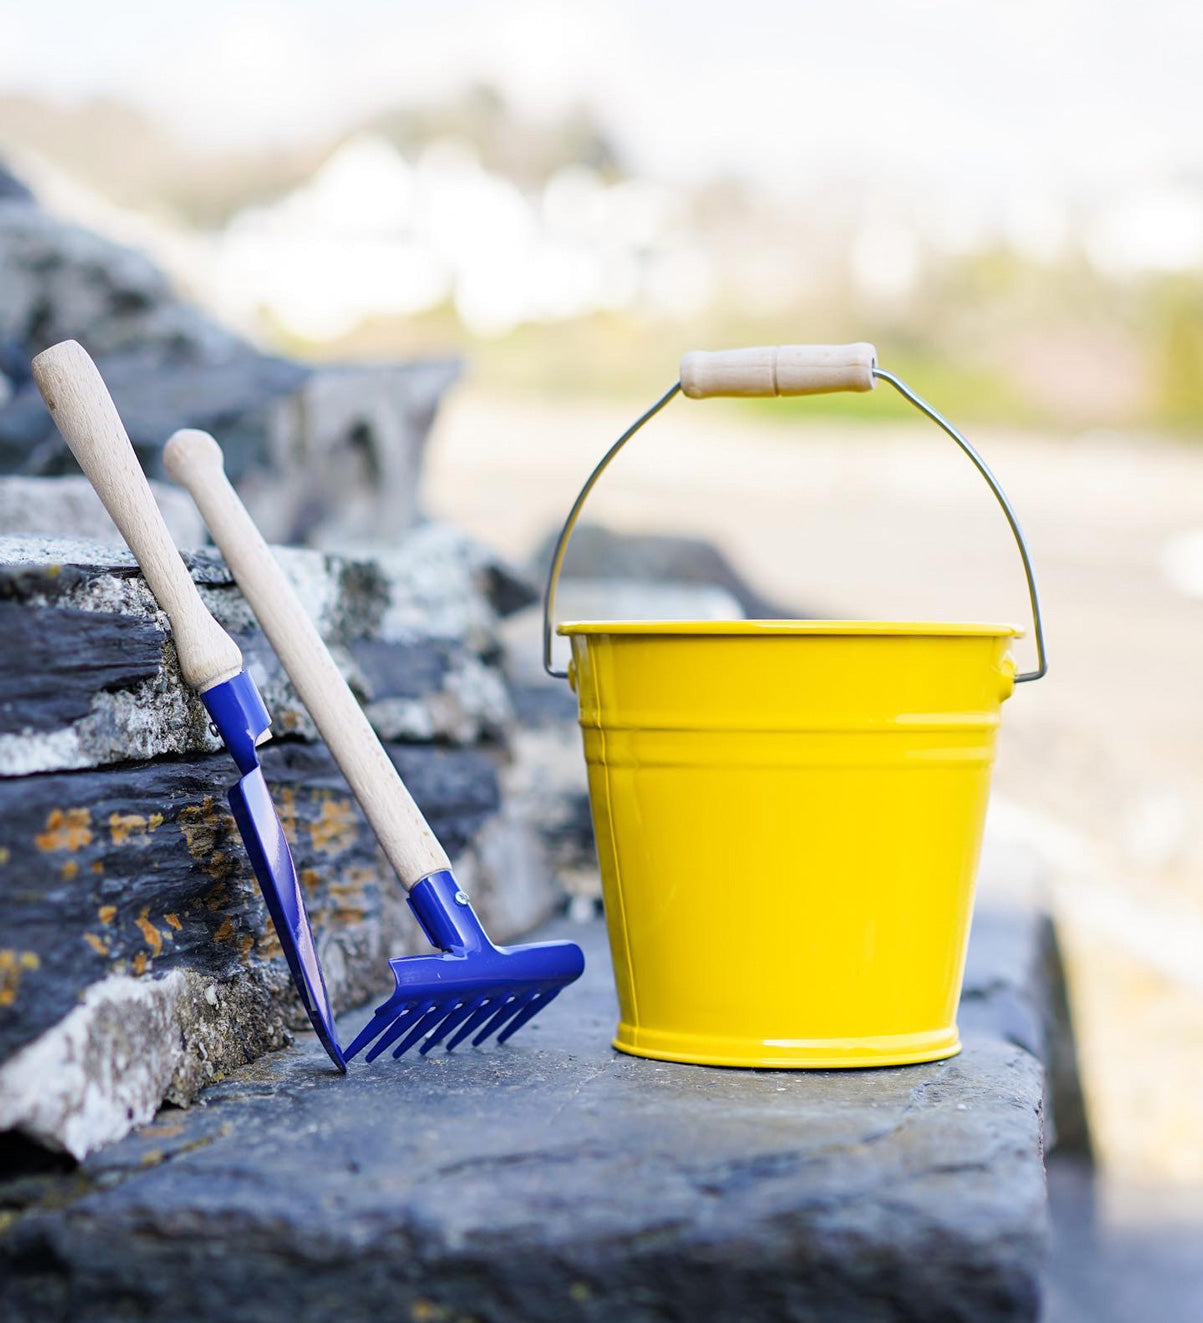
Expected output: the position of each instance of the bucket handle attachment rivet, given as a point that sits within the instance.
(788, 370)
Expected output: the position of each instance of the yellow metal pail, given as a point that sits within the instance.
(788, 816)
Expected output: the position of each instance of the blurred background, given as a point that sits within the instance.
(1006, 199)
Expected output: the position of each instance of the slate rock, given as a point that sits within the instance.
(12, 190)
(155, 395)
(596, 552)
(137, 962)
(347, 453)
(140, 869)
(325, 456)
(47, 680)
(553, 1179)
(50, 506)
(413, 628)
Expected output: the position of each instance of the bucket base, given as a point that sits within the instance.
(790, 1054)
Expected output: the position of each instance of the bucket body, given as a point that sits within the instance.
(788, 817)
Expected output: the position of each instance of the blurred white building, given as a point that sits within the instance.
(372, 235)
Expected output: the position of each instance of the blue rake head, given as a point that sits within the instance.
(240, 718)
(473, 987)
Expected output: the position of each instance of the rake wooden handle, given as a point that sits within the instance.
(194, 460)
(82, 407)
(778, 370)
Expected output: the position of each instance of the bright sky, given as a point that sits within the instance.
(1065, 96)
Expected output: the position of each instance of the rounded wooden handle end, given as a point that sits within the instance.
(66, 361)
(778, 370)
(191, 454)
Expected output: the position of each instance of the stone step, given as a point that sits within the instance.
(555, 1179)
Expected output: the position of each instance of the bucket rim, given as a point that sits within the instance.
(762, 628)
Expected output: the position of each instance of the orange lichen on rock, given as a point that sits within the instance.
(66, 829)
(225, 932)
(335, 829)
(203, 826)
(172, 922)
(96, 943)
(286, 807)
(13, 964)
(347, 892)
(221, 866)
(268, 944)
(107, 913)
(69, 870)
(138, 964)
(124, 825)
(150, 933)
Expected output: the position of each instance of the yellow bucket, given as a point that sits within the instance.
(788, 816)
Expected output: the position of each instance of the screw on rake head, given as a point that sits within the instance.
(471, 987)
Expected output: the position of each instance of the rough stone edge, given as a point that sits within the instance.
(103, 1069)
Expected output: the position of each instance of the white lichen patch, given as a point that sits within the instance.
(100, 1071)
(473, 704)
(39, 552)
(435, 587)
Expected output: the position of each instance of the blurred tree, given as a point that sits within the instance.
(527, 152)
(1179, 352)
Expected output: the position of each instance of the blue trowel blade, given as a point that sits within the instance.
(241, 721)
(263, 836)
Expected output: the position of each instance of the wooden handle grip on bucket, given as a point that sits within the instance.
(778, 370)
(194, 460)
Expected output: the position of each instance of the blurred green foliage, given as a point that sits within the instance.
(1178, 353)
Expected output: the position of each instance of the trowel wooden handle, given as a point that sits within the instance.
(778, 370)
(194, 460)
(85, 413)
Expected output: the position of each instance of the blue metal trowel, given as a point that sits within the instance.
(209, 658)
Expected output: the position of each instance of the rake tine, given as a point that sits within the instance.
(507, 1008)
(428, 1021)
(519, 1012)
(404, 1020)
(539, 1002)
(481, 1013)
(457, 1016)
(383, 1016)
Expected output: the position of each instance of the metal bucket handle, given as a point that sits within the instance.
(787, 370)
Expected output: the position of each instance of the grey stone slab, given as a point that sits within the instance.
(597, 552)
(53, 662)
(554, 1179)
(136, 960)
(85, 678)
(329, 455)
(54, 505)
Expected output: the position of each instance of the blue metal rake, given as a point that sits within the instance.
(473, 987)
